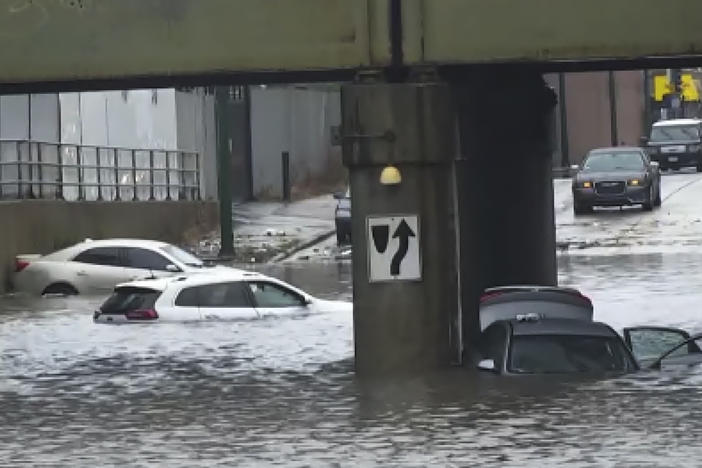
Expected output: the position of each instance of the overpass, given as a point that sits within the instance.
(473, 207)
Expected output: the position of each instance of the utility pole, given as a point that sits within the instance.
(224, 169)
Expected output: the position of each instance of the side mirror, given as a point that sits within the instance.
(487, 365)
(172, 268)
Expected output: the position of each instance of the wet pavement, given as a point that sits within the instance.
(282, 392)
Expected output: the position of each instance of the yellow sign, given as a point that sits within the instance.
(690, 87)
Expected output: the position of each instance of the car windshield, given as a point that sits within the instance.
(615, 161)
(183, 256)
(675, 133)
(564, 354)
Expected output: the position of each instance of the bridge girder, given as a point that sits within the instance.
(55, 41)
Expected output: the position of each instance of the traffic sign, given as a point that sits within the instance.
(394, 248)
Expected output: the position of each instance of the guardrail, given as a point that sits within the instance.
(46, 170)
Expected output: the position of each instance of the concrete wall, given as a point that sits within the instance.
(196, 131)
(298, 120)
(588, 111)
(140, 118)
(43, 226)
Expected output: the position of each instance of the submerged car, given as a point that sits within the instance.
(676, 143)
(342, 217)
(224, 296)
(533, 330)
(616, 177)
(96, 266)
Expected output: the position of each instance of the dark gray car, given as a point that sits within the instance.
(616, 177)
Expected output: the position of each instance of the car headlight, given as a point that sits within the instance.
(586, 184)
(635, 182)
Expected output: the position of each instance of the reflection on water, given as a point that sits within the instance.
(283, 392)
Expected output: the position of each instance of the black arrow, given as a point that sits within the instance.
(404, 232)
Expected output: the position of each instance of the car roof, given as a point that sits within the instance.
(673, 122)
(560, 327)
(146, 243)
(195, 279)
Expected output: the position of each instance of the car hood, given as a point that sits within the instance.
(673, 143)
(333, 306)
(614, 175)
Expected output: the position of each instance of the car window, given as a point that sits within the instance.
(188, 297)
(231, 295)
(145, 259)
(675, 133)
(546, 354)
(614, 161)
(651, 344)
(492, 343)
(272, 295)
(108, 256)
(128, 299)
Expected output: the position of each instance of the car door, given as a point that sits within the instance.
(272, 299)
(226, 301)
(97, 270)
(649, 344)
(145, 263)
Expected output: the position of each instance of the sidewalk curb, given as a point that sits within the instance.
(289, 253)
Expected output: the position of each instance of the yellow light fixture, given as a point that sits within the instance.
(390, 176)
(587, 184)
(634, 182)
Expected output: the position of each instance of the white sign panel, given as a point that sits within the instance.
(393, 248)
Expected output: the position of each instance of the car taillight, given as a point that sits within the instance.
(141, 314)
(20, 265)
(487, 296)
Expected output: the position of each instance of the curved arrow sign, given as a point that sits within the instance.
(393, 244)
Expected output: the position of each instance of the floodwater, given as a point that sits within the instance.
(282, 392)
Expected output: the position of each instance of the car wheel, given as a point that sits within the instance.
(648, 204)
(658, 201)
(63, 289)
(580, 209)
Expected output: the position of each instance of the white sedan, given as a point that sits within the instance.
(226, 295)
(97, 266)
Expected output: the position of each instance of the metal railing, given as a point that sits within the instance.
(45, 170)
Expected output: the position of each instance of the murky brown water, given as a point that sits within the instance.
(282, 391)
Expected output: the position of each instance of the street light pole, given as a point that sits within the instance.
(224, 169)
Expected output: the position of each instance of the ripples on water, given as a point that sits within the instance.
(283, 392)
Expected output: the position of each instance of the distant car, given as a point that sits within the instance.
(676, 143)
(616, 177)
(96, 266)
(342, 217)
(224, 296)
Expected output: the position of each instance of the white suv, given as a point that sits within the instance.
(230, 295)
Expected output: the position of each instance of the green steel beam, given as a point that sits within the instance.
(476, 31)
(82, 40)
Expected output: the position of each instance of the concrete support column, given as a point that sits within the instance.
(403, 326)
(507, 136)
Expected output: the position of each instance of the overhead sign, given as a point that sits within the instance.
(393, 248)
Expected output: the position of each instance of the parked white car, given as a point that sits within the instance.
(220, 296)
(97, 266)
